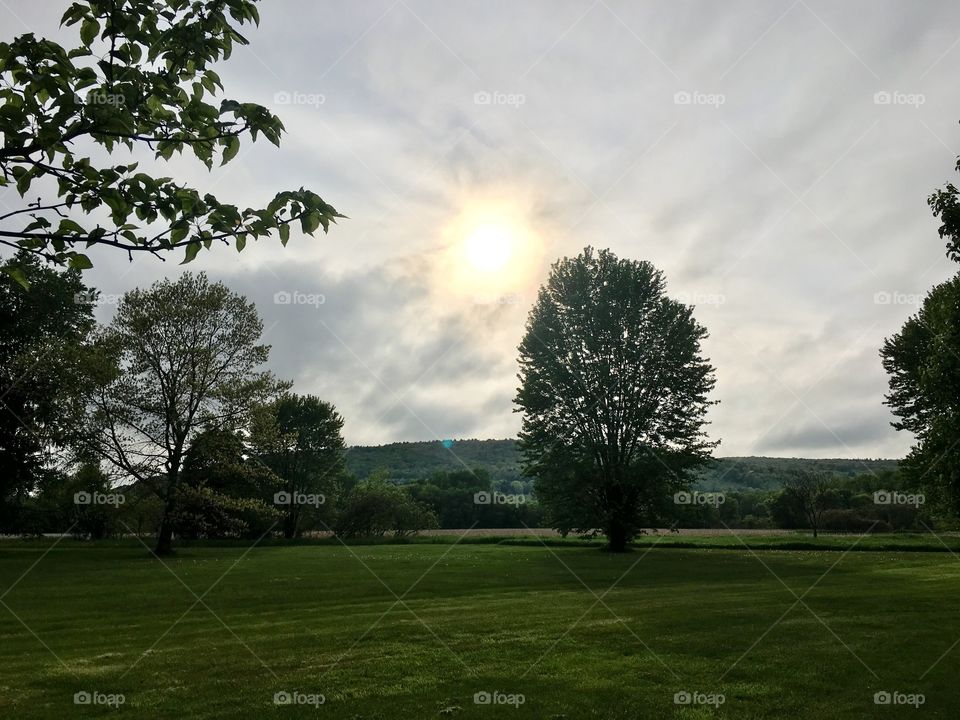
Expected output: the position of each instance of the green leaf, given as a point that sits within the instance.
(17, 274)
(241, 242)
(178, 233)
(231, 150)
(80, 262)
(284, 234)
(192, 250)
(310, 221)
(89, 30)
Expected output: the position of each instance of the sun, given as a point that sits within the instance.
(490, 246)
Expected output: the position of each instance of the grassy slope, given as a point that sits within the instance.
(490, 612)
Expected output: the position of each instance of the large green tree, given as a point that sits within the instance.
(188, 358)
(299, 437)
(140, 79)
(613, 393)
(923, 361)
(44, 335)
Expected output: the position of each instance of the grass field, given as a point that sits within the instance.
(416, 630)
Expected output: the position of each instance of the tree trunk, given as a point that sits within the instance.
(616, 536)
(165, 535)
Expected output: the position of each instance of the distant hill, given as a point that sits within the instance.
(413, 460)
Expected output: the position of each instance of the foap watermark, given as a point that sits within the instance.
(694, 697)
(699, 298)
(498, 698)
(696, 97)
(295, 97)
(296, 297)
(92, 297)
(894, 297)
(295, 697)
(98, 498)
(495, 97)
(298, 498)
(895, 97)
(893, 497)
(685, 497)
(497, 498)
(895, 697)
(95, 697)
(97, 97)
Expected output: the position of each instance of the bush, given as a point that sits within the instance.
(375, 507)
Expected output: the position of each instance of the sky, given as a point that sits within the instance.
(772, 159)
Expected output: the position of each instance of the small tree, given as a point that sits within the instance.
(614, 394)
(139, 80)
(186, 356)
(809, 491)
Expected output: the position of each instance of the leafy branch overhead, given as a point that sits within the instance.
(139, 80)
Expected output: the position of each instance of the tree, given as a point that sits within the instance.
(614, 395)
(186, 355)
(138, 80)
(809, 491)
(376, 506)
(299, 438)
(225, 493)
(44, 335)
(923, 362)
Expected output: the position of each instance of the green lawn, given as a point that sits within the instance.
(516, 619)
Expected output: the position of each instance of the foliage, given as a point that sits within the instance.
(299, 437)
(375, 507)
(44, 335)
(409, 461)
(187, 359)
(614, 395)
(453, 497)
(224, 493)
(923, 363)
(140, 79)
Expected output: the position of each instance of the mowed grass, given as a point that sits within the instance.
(415, 630)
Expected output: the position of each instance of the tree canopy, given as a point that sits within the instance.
(613, 393)
(187, 358)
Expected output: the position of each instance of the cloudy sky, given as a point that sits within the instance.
(772, 158)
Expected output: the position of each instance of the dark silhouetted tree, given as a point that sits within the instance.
(613, 393)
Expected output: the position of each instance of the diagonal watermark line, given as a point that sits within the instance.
(39, 639)
(599, 600)
(37, 561)
(199, 600)
(357, 41)
(440, 40)
(957, 641)
(798, 600)
(757, 41)
(399, 600)
(559, 39)
(831, 31)
(640, 40)
(800, 199)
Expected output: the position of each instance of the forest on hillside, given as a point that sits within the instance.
(408, 461)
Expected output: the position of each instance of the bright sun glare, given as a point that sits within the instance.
(489, 247)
